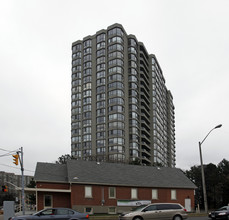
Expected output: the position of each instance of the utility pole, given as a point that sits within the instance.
(20, 158)
(202, 169)
(203, 180)
(22, 182)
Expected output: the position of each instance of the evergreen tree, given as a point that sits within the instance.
(217, 184)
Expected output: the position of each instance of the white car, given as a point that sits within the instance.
(172, 211)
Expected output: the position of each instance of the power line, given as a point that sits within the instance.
(3, 149)
(16, 168)
(8, 152)
(45, 173)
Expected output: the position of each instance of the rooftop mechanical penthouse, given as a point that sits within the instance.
(121, 109)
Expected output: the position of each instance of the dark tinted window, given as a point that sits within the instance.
(223, 208)
(64, 212)
(48, 212)
(168, 206)
(138, 208)
(163, 207)
(150, 208)
(176, 206)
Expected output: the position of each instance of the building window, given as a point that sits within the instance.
(88, 192)
(100, 143)
(115, 31)
(100, 127)
(87, 137)
(87, 50)
(100, 52)
(116, 125)
(115, 140)
(115, 39)
(173, 194)
(101, 37)
(112, 210)
(112, 193)
(134, 193)
(47, 201)
(100, 150)
(154, 194)
(117, 149)
(87, 43)
(101, 45)
(116, 77)
(88, 210)
(132, 42)
(76, 47)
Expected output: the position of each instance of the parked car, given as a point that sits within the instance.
(54, 214)
(172, 211)
(222, 213)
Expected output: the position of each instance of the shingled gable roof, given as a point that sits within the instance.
(51, 172)
(91, 172)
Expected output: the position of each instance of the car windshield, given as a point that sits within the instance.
(36, 213)
(223, 208)
(45, 212)
(138, 208)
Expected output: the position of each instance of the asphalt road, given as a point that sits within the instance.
(190, 218)
(198, 218)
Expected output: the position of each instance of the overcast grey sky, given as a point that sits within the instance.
(190, 39)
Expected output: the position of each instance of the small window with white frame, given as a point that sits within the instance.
(154, 194)
(88, 192)
(112, 210)
(112, 193)
(173, 194)
(134, 193)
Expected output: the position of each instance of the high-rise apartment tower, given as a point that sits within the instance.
(121, 109)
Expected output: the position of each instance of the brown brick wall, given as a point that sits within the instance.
(77, 197)
(52, 185)
(124, 193)
(59, 199)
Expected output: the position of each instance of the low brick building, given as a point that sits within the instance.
(88, 186)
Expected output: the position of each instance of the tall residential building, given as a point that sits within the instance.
(121, 108)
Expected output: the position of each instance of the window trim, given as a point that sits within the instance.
(173, 194)
(88, 194)
(154, 193)
(51, 198)
(110, 196)
(112, 207)
(134, 193)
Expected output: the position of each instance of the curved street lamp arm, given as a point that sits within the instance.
(218, 126)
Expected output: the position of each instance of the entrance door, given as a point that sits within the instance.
(48, 201)
(188, 205)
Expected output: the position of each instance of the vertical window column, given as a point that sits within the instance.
(76, 100)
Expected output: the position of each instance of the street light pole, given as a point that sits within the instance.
(203, 180)
(202, 170)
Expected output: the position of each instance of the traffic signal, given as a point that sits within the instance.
(4, 188)
(15, 156)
